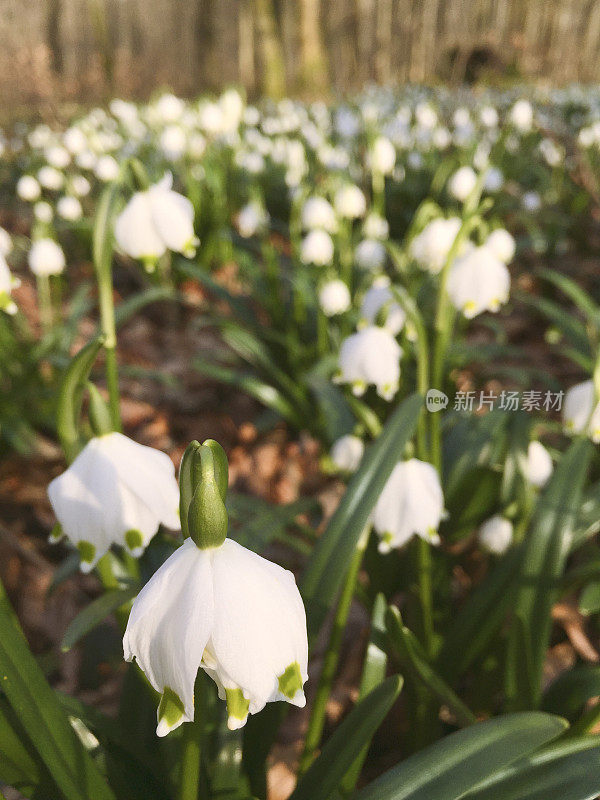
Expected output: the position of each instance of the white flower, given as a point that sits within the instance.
(69, 208)
(334, 297)
(74, 140)
(318, 213)
(5, 242)
(426, 116)
(370, 254)
(495, 535)
(28, 188)
(106, 168)
(156, 220)
(531, 201)
(317, 248)
(462, 183)
(411, 504)
(168, 107)
(521, 115)
(115, 492)
(42, 211)
(50, 178)
(379, 302)
(431, 247)
(371, 356)
(376, 227)
(347, 452)
(350, 202)
(46, 258)
(488, 116)
(579, 412)
(230, 612)
(173, 142)
(382, 156)
(57, 156)
(7, 284)
(250, 219)
(538, 467)
(478, 281)
(80, 186)
(502, 245)
(494, 179)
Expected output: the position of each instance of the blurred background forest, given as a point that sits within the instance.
(88, 49)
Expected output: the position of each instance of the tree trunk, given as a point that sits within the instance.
(273, 68)
(314, 76)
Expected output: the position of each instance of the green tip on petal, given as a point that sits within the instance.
(87, 551)
(170, 712)
(135, 542)
(56, 534)
(290, 683)
(237, 708)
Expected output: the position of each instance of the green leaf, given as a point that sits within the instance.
(457, 763)
(409, 654)
(571, 690)
(94, 613)
(349, 739)
(19, 767)
(333, 552)
(373, 674)
(266, 394)
(42, 717)
(546, 548)
(131, 306)
(575, 293)
(589, 599)
(71, 395)
(570, 771)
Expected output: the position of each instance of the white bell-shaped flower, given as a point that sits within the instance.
(538, 467)
(382, 157)
(478, 281)
(431, 247)
(350, 202)
(6, 244)
(502, 245)
(347, 452)
(379, 305)
(521, 115)
(462, 183)
(28, 188)
(495, 535)
(230, 612)
(581, 411)
(334, 297)
(371, 356)
(317, 248)
(370, 254)
(317, 212)
(115, 492)
(46, 258)
(251, 218)
(7, 284)
(411, 504)
(155, 221)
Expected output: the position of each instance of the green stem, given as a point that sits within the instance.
(191, 760)
(425, 595)
(378, 184)
(109, 331)
(330, 663)
(45, 302)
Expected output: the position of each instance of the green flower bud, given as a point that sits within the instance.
(99, 413)
(203, 480)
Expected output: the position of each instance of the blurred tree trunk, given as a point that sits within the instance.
(53, 35)
(273, 66)
(383, 56)
(313, 70)
(246, 47)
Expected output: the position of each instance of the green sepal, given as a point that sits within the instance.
(87, 551)
(290, 683)
(134, 539)
(71, 396)
(98, 411)
(237, 705)
(170, 710)
(203, 479)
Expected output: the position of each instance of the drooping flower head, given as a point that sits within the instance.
(581, 411)
(478, 281)
(371, 357)
(431, 247)
(411, 504)
(216, 606)
(495, 535)
(115, 492)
